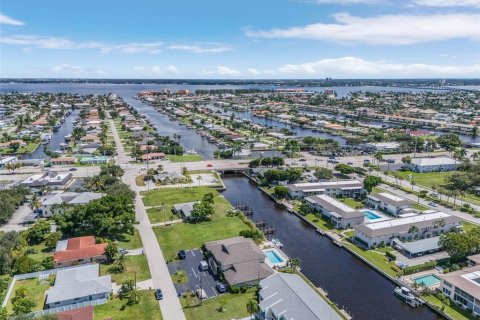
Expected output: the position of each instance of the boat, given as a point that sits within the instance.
(404, 293)
(277, 243)
(68, 137)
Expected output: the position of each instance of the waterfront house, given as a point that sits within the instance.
(184, 209)
(427, 225)
(288, 296)
(7, 160)
(340, 188)
(239, 260)
(463, 287)
(341, 215)
(79, 250)
(432, 164)
(53, 204)
(77, 285)
(388, 202)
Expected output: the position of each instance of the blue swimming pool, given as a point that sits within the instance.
(274, 257)
(428, 280)
(371, 215)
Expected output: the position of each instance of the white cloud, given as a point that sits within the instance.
(227, 71)
(172, 69)
(346, 1)
(66, 69)
(62, 43)
(10, 21)
(199, 49)
(253, 71)
(447, 3)
(156, 70)
(351, 67)
(386, 29)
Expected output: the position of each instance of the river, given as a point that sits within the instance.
(350, 283)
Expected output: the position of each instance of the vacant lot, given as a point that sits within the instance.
(147, 308)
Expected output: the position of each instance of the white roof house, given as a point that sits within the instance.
(433, 164)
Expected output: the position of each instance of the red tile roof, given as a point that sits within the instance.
(85, 313)
(80, 248)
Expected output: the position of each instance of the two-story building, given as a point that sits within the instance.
(341, 215)
(340, 188)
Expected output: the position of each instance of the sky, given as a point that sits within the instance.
(247, 39)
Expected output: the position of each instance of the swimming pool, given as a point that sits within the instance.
(371, 215)
(274, 257)
(428, 280)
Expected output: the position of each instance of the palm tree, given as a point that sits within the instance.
(379, 157)
(34, 202)
(199, 178)
(413, 229)
(294, 263)
(252, 307)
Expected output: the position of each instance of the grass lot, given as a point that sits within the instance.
(42, 252)
(235, 307)
(29, 148)
(180, 277)
(420, 207)
(147, 308)
(352, 203)
(467, 226)
(131, 241)
(139, 181)
(186, 235)
(156, 215)
(452, 310)
(320, 221)
(376, 256)
(134, 265)
(184, 158)
(35, 291)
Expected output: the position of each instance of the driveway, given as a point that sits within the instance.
(196, 278)
(18, 218)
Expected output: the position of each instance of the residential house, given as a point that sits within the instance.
(184, 209)
(63, 160)
(77, 285)
(432, 164)
(80, 250)
(7, 160)
(53, 204)
(239, 260)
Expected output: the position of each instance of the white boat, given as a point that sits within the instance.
(68, 137)
(277, 243)
(404, 293)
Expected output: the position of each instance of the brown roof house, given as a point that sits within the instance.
(239, 260)
(80, 250)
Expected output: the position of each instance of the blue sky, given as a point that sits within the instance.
(240, 39)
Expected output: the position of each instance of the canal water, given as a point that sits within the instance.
(350, 283)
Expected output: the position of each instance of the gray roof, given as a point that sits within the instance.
(289, 295)
(247, 271)
(390, 199)
(72, 198)
(419, 246)
(185, 208)
(78, 282)
(335, 207)
(339, 184)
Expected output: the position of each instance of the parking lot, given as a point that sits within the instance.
(196, 278)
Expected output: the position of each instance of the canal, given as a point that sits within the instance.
(350, 283)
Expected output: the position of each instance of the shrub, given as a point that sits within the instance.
(421, 267)
(234, 289)
(391, 255)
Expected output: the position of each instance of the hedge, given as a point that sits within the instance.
(391, 255)
(421, 267)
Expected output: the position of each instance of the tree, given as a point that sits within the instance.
(323, 174)
(344, 168)
(379, 157)
(449, 141)
(38, 232)
(280, 192)
(252, 307)
(14, 146)
(25, 264)
(370, 182)
(201, 212)
(294, 263)
(34, 202)
(129, 291)
(111, 251)
(458, 245)
(255, 235)
(413, 229)
(407, 160)
(52, 239)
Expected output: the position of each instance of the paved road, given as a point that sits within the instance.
(15, 222)
(170, 305)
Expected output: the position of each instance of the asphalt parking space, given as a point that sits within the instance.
(196, 278)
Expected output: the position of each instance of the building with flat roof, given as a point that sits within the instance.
(388, 202)
(433, 164)
(383, 146)
(53, 204)
(463, 287)
(340, 188)
(288, 296)
(417, 248)
(79, 284)
(53, 180)
(341, 215)
(430, 224)
(239, 260)
(6, 160)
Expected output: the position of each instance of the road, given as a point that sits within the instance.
(16, 221)
(170, 305)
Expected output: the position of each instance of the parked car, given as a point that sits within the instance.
(221, 288)
(350, 163)
(201, 294)
(303, 160)
(366, 161)
(203, 266)
(391, 160)
(72, 169)
(209, 165)
(158, 294)
(123, 251)
(432, 204)
(182, 255)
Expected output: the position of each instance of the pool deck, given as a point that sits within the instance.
(382, 217)
(280, 253)
(410, 279)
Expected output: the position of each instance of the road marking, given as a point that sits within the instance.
(194, 273)
(193, 253)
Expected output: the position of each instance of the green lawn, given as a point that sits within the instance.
(184, 158)
(352, 203)
(427, 179)
(147, 308)
(451, 309)
(320, 221)
(235, 307)
(29, 148)
(420, 207)
(134, 266)
(467, 226)
(35, 291)
(131, 241)
(180, 277)
(376, 256)
(171, 196)
(156, 215)
(41, 252)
